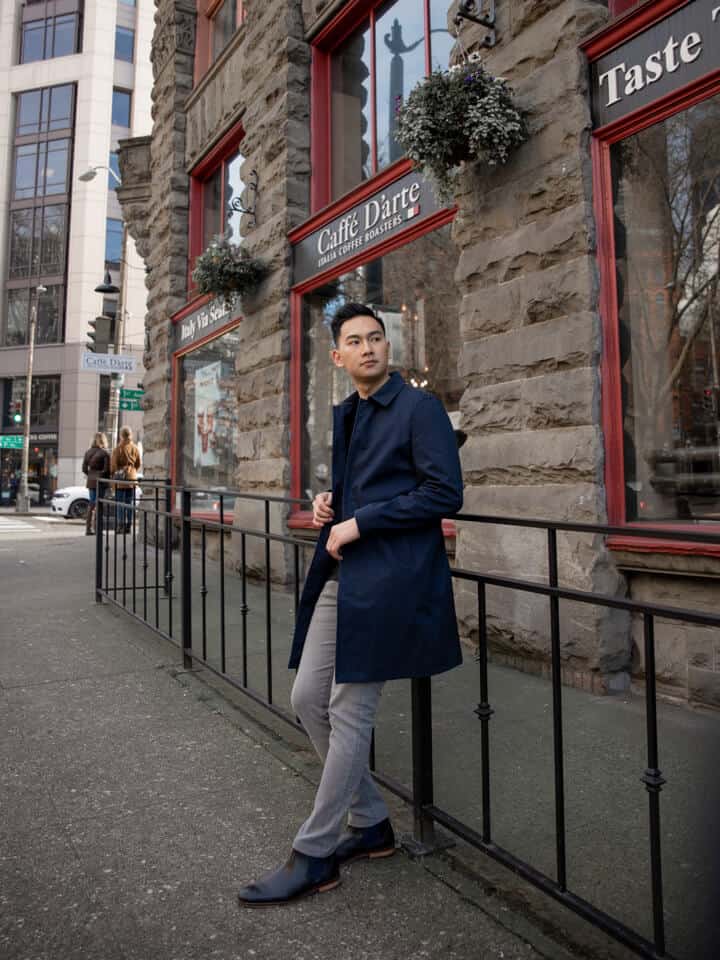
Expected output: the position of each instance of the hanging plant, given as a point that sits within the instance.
(460, 115)
(227, 270)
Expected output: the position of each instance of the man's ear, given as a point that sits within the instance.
(336, 358)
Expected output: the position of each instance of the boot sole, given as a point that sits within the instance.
(323, 888)
(372, 855)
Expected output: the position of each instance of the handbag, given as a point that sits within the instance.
(120, 475)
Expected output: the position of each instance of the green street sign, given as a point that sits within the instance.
(127, 393)
(131, 399)
(11, 443)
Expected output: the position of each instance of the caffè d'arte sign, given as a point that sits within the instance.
(384, 213)
(681, 48)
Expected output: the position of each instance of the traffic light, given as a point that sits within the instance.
(99, 334)
(16, 411)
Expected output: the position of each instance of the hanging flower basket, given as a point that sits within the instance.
(228, 271)
(460, 115)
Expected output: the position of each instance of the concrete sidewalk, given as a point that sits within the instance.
(136, 800)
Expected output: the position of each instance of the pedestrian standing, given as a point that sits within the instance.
(377, 603)
(95, 466)
(124, 466)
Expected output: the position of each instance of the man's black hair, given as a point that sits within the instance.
(346, 312)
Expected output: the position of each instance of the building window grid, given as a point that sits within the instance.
(121, 107)
(50, 37)
(39, 214)
(113, 243)
(125, 44)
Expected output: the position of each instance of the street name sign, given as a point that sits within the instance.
(131, 399)
(11, 443)
(108, 363)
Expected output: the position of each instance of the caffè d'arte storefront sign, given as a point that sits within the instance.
(377, 218)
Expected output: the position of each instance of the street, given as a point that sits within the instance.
(37, 527)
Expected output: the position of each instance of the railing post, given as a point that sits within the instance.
(167, 551)
(186, 579)
(654, 782)
(424, 828)
(99, 511)
(557, 701)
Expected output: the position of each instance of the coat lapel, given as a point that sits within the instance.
(343, 416)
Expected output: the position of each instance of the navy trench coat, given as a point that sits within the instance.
(397, 472)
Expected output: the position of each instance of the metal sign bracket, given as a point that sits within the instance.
(473, 10)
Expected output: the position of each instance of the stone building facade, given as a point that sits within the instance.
(522, 347)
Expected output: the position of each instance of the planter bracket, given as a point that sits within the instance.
(473, 10)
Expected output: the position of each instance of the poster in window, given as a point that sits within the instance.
(207, 400)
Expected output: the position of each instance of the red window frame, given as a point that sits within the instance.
(611, 401)
(299, 518)
(206, 11)
(199, 176)
(324, 209)
(348, 20)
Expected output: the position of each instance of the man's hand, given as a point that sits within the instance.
(342, 533)
(322, 511)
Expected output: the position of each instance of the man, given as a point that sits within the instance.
(377, 604)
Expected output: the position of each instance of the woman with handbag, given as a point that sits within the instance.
(95, 466)
(124, 466)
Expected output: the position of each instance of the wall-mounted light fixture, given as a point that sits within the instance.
(473, 10)
(251, 190)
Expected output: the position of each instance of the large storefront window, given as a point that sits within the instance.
(666, 199)
(413, 290)
(370, 73)
(208, 408)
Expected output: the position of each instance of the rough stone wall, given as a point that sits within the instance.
(155, 206)
(531, 349)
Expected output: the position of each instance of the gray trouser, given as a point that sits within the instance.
(339, 719)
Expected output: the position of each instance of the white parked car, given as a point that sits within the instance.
(70, 502)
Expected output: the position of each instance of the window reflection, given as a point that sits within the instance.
(209, 417)
(222, 197)
(351, 113)
(413, 290)
(49, 316)
(441, 40)
(667, 237)
(223, 26)
(400, 63)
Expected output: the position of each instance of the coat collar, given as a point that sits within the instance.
(384, 396)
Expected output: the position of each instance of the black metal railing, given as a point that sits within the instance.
(137, 567)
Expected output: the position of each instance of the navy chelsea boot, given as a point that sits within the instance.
(372, 842)
(299, 877)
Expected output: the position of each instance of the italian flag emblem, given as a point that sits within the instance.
(412, 211)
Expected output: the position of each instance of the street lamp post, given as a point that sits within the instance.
(109, 287)
(22, 501)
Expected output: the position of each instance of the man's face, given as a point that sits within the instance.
(362, 350)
